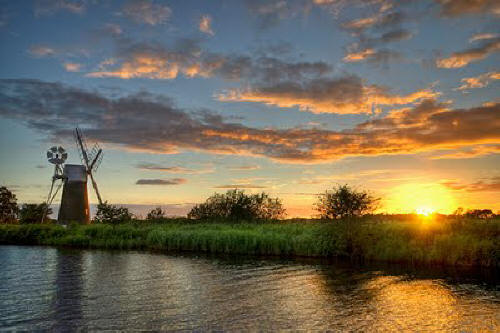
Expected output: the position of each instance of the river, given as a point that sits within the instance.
(44, 288)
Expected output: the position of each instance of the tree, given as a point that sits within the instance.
(111, 214)
(237, 205)
(32, 213)
(479, 213)
(156, 214)
(8, 206)
(343, 201)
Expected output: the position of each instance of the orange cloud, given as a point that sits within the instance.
(480, 81)
(463, 58)
(72, 67)
(346, 95)
(491, 185)
(469, 152)
(359, 56)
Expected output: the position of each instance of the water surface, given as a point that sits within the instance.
(58, 289)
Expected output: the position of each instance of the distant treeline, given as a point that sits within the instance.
(340, 202)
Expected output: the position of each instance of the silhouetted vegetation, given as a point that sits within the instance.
(111, 214)
(344, 202)
(33, 213)
(156, 214)
(236, 205)
(479, 213)
(8, 206)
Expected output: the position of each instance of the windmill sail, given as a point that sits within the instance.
(91, 161)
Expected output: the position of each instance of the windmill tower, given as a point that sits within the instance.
(75, 201)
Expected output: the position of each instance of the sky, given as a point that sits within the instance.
(189, 98)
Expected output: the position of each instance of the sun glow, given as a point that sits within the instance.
(425, 211)
(423, 199)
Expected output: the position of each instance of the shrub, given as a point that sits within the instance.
(237, 205)
(343, 201)
(156, 214)
(479, 213)
(111, 214)
(33, 213)
(8, 206)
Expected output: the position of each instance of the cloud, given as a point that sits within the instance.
(490, 185)
(245, 167)
(240, 186)
(49, 7)
(186, 57)
(270, 12)
(172, 169)
(41, 51)
(159, 126)
(479, 81)
(463, 58)
(205, 25)
(483, 37)
(72, 67)
(172, 181)
(343, 95)
(469, 152)
(453, 8)
(374, 32)
(374, 56)
(147, 12)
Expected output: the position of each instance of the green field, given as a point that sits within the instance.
(460, 241)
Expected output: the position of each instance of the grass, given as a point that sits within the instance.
(467, 242)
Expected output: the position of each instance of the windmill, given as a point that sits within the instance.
(74, 201)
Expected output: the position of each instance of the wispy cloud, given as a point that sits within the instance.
(205, 25)
(72, 67)
(468, 152)
(172, 169)
(479, 81)
(49, 7)
(172, 181)
(40, 51)
(240, 186)
(147, 12)
(488, 185)
(483, 36)
(245, 167)
(463, 58)
(454, 8)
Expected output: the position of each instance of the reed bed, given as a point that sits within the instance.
(464, 242)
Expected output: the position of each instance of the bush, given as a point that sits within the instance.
(33, 213)
(479, 213)
(156, 214)
(8, 206)
(237, 205)
(111, 214)
(343, 202)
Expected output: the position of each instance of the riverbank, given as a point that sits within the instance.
(461, 242)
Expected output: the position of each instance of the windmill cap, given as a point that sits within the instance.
(75, 173)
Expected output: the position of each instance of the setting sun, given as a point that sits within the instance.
(425, 211)
(423, 199)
